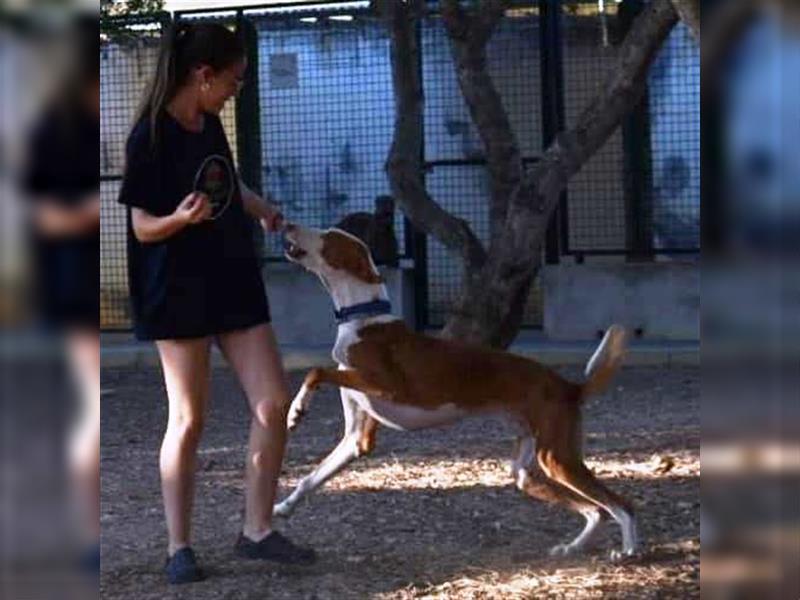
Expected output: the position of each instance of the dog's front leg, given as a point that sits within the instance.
(342, 377)
(357, 425)
(344, 453)
(299, 404)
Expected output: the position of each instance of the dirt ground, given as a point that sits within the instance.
(431, 514)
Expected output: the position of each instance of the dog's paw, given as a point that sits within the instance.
(282, 509)
(298, 408)
(561, 550)
(295, 415)
(623, 555)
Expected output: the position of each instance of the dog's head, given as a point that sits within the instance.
(332, 254)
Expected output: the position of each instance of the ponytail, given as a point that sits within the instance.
(184, 46)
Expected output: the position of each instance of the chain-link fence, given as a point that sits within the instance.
(457, 176)
(641, 192)
(326, 111)
(320, 113)
(126, 65)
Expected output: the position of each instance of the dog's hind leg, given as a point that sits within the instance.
(530, 480)
(594, 517)
(567, 468)
(578, 478)
(358, 440)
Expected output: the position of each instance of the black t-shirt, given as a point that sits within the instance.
(205, 279)
(64, 168)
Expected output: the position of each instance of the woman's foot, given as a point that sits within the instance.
(274, 547)
(182, 567)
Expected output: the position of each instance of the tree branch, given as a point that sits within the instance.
(622, 90)
(475, 29)
(459, 23)
(487, 18)
(404, 163)
(469, 35)
(483, 312)
(689, 12)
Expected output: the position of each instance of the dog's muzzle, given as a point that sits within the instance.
(292, 250)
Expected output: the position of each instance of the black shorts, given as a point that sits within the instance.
(204, 306)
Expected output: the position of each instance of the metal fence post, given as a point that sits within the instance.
(248, 117)
(553, 115)
(637, 161)
(415, 240)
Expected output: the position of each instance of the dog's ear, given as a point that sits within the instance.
(342, 252)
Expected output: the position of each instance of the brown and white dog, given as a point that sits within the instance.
(391, 375)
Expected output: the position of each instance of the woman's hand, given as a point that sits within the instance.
(272, 219)
(194, 208)
(269, 215)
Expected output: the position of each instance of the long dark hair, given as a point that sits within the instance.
(185, 46)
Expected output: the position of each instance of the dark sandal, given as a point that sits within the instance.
(274, 547)
(182, 568)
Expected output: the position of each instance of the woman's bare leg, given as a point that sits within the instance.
(186, 366)
(253, 354)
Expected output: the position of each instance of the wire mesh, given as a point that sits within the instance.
(458, 178)
(674, 108)
(125, 69)
(596, 195)
(599, 196)
(326, 113)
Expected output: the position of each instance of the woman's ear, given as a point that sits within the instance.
(203, 75)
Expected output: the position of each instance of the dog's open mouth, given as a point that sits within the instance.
(293, 251)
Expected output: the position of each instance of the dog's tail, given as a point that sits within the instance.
(605, 361)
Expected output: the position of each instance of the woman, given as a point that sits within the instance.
(194, 278)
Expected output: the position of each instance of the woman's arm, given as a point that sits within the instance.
(262, 209)
(148, 228)
(56, 220)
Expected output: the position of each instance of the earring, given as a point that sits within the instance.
(205, 87)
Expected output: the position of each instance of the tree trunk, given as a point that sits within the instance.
(469, 35)
(489, 310)
(689, 13)
(404, 163)
(484, 314)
